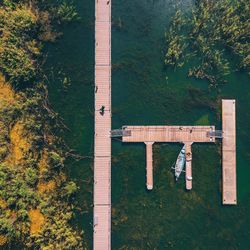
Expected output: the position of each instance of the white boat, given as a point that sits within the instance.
(180, 162)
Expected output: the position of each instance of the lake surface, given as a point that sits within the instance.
(145, 93)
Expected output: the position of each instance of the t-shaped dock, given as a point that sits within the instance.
(189, 135)
(182, 134)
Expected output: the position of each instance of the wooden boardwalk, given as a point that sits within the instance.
(188, 135)
(169, 134)
(229, 193)
(181, 134)
(102, 150)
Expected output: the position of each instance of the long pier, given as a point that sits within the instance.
(102, 146)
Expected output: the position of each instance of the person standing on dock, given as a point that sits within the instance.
(102, 109)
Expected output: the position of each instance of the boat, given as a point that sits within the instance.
(180, 162)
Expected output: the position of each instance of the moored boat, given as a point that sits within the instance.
(180, 162)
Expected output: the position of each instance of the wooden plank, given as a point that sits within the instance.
(102, 146)
(149, 164)
(102, 181)
(103, 11)
(103, 34)
(229, 188)
(102, 134)
(102, 227)
(102, 87)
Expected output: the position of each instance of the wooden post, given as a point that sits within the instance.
(149, 164)
(188, 166)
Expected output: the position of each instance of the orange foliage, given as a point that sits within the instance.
(37, 221)
(46, 186)
(20, 144)
(7, 94)
(3, 240)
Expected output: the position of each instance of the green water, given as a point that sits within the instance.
(168, 216)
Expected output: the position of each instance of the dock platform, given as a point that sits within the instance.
(189, 135)
(182, 134)
(169, 134)
(102, 142)
(229, 193)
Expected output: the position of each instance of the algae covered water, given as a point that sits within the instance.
(145, 93)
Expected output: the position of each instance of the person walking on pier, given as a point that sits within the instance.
(102, 109)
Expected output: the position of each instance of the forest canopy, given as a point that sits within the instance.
(214, 32)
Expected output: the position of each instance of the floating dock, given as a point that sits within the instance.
(181, 134)
(229, 189)
(102, 146)
(189, 135)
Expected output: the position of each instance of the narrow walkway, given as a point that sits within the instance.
(102, 155)
(229, 153)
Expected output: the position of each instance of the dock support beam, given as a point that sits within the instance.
(149, 164)
(188, 166)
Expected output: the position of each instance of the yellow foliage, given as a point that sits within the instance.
(37, 220)
(3, 240)
(20, 143)
(7, 94)
(3, 203)
(46, 186)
